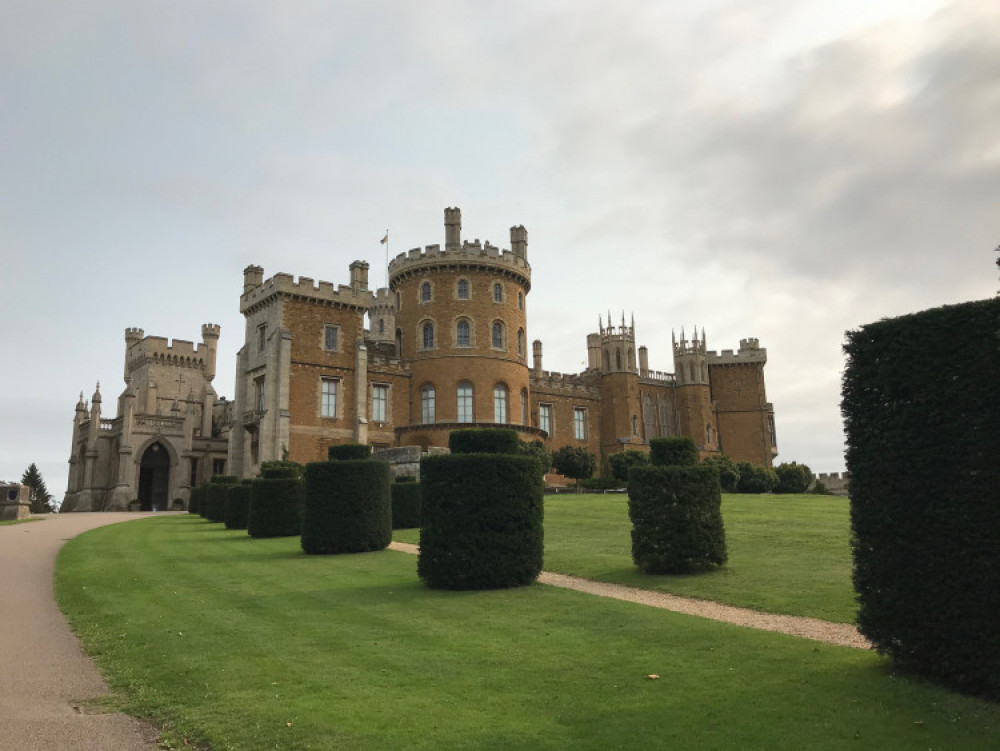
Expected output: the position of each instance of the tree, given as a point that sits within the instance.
(622, 462)
(575, 463)
(41, 499)
(537, 449)
(793, 478)
(729, 475)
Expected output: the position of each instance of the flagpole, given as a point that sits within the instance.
(387, 259)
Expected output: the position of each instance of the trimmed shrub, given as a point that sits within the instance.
(793, 478)
(754, 479)
(348, 452)
(922, 421)
(536, 448)
(481, 521)
(280, 469)
(238, 505)
(621, 463)
(484, 441)
(405, 505)
(215, 497)
(197, 500)
(405, 478)
(676, 515)
(729, 475)
(574, 462)
(347, 507)
(275, 504)
(672, 452)
(601, 483)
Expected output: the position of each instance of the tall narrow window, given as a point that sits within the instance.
(580, 423)
(427, 405)
(520, 301)
(500, 404)
(381, 325)
(498, 335)
(398, 301)
(428, 335)
(328, 398)
(524, 406)
(259, 396)
(425, 292)
(380, 402)
(465, 402)
(520, 342)
(261, 338)
(498, 292)
(463, 334)
(545, 417)
(331, 336)
(463, 289)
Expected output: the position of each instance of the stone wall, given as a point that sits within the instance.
(15, 501)
(405, 460)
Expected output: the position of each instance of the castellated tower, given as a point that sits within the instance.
(694, 408)
(461, 324)
(612, 352)
(382, 319)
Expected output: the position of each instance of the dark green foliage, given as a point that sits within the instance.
(922, 420)
(601, 483)
(574, 462)
(729, 474)
(275, 506)
(347, 507)
(793, 478)
(481, 521)
(536, 448)
(672, 452)
(197, 500)
(676, 515)
(348, 451)
(280, 469)
(484, 441)
(405, 478)
(215, 497)
(755, 479)
(621, 463)
(405, 504)
(238, 505)
(41, 499)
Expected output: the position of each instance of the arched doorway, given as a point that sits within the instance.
(154, 478)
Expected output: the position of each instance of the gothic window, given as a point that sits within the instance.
(520, 342)
(463, 289)
(427, 404)
(259, 393)
(261, 338)
(498, 335)
(425, 292)
(380, 402)
(428, 335)
(381, 325)
(500, 404)
(635, 425)
(708, 435)
(497, 292)
(463, 336)
(520, 301)
(398, 301)
(524, 406)
(465, 402)
(618, 359)
(328, 397)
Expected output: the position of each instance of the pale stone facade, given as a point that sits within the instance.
(15, 501)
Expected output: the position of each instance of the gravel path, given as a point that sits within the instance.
(841, 634)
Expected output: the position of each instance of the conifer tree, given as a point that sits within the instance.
(41, 499)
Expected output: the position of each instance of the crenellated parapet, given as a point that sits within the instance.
(469, 255)
(749, 353)
(570, 384)
(303, 288)
(657, 378)
(158, 350)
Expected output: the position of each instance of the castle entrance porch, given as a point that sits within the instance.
(154, 478)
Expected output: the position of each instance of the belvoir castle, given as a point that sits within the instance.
(446, 347)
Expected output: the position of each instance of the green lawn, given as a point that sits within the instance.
(787, 553)
(248, 644)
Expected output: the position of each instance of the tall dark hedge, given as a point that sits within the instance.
(405, 504)
(197, 500)
(484, 441)
(348, 451)
(215, 497)
(347, 507)
(672, 452)
(238, 505)
(676, 515)
(276, 505)
(922, 419)
(481, 521)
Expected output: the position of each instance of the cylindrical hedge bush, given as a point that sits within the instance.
(347, 507)
(238, 505)
(197, 500)
(484, 441)
(405, 504)
(215, 497)
(348, 452)
(672, 452)
(676, 515)
(480, 521)
(276, 503)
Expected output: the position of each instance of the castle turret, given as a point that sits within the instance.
(643, 361)
(519, 241)
(210, 340)
(536, 355)
(744, 416)
(359, 276)
(594, 351)
(695, 412)
(452, 229)
(382, 317)
(253, 277)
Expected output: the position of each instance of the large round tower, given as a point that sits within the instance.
(461, 323)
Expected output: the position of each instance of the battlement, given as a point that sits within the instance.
(282, 284)
(472, 253)
(749, 353)
(210, 331)
(684, 347)
(383, 297)
(658, 377)
(575, 383)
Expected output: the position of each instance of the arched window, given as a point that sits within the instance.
(463, 289)
(635, 425)
(465, 402)
(524, 406)
(708, 435)
(520, 342)
(520, 301)
(497, 335)
(497, 292)
(428, 334)
(425, 292)
(427, 404)
(463, 337)
(500, 404)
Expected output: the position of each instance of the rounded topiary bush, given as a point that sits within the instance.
(480, 521)
(238, 505)
(347, 507)
(215, 497)
(755, 479)
(348, 451)
(676, 515)
(405, 504)
(672, 452)
(197, 500)
(484, 441)
(276, 501)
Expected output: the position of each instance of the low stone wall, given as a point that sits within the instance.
(15, 502)
(405, 460)
(835, 482)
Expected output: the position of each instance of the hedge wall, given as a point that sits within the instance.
(275, 506)
(215, 497)
(676, 515)
(238, 505)
(197, 500)
(672, 452)
(347, 507)
(922, 419)
(481, 521)
(405, 504)
(484, 441)
(348, 451)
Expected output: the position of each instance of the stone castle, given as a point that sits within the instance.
(446, 347)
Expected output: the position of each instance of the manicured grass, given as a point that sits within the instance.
(787, 553)
(249, 644)
(9, 522)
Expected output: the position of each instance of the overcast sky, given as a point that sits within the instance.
(781, 169)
